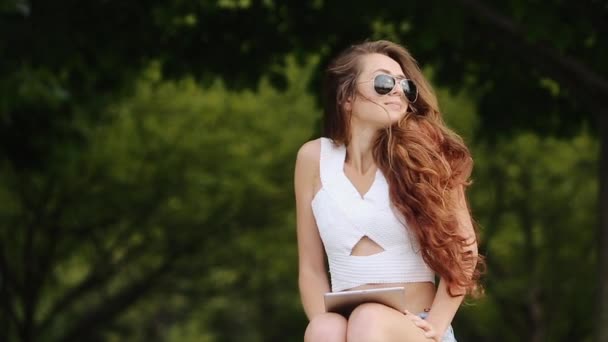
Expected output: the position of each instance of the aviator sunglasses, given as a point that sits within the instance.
(384, 84)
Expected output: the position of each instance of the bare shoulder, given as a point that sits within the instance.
(307, 162)
(310, 151)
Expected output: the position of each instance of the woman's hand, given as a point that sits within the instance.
(429, 330)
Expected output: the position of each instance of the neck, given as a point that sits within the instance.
(359, 154)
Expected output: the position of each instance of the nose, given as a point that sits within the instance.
(397, 89)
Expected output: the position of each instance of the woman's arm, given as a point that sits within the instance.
(445, 306)
(312, 278)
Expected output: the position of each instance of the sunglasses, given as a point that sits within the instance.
(384, 84)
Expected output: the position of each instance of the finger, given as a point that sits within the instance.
(423, 325)
(417, 319)
(430, 334)
(411, 315)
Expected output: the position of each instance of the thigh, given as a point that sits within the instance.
(377, 322)
(326, 327)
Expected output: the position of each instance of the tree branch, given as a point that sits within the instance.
(587, 82)
(7, 285)
(102, 314)
(98, 277)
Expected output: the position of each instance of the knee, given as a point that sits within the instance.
(366, 324)
(327, 327)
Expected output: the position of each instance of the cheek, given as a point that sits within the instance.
(369, 93)
(369, 111)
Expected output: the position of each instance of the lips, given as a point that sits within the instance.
(394, 105)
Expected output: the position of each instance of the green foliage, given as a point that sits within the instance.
(167, 201)
(532, 198)
(244, 144)
(159, 207)
(188, 189)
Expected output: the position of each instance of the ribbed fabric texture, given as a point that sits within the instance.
(344, 218)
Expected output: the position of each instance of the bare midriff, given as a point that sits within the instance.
(418, 296)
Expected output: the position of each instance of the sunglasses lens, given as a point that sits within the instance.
(383, 84)
(410, 90)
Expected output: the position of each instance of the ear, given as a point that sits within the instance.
(348, 104)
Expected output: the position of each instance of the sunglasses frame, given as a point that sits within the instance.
(396, 80)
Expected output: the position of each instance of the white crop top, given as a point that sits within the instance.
(344, 218)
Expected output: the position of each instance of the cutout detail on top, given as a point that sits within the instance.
(365, 247)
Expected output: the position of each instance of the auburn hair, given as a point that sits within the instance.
(427, 166)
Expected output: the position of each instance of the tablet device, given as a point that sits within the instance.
(344, 302)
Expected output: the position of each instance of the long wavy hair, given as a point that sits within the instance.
(425, 163)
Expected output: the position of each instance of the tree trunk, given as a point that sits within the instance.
(602, 318)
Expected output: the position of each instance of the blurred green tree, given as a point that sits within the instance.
(532, 196)
(64, 62)
(176, 191)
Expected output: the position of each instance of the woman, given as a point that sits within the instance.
(382, 196)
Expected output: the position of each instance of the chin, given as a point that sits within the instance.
(396, 116)
(389, 122)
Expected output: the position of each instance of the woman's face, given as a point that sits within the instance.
(370, 108)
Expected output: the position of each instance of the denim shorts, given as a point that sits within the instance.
(449, 333)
